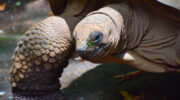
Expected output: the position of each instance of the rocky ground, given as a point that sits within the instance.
(94, 81)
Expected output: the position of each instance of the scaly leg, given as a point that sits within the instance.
(39, 59)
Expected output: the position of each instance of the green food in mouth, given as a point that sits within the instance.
(90, 44)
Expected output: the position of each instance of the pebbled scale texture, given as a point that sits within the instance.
(39, 59)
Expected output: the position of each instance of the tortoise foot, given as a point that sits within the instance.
(39, 59)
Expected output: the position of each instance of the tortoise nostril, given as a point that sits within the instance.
(96, 36)
(81, 50)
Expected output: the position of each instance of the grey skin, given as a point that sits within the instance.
(144, 34)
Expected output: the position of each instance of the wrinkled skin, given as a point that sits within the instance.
(143, 34)
(137, 35)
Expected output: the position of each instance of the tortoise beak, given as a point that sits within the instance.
(82, 51)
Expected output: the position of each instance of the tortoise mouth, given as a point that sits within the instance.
(94, 52)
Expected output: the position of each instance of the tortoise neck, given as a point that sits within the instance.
(126, 14)
(136, 25)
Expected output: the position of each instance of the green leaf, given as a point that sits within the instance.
(90, 44)
(18, 3)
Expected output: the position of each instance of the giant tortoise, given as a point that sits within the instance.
(141, 33)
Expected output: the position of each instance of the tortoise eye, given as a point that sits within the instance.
(96, 36)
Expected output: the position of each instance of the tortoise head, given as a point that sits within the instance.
(96, 35)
